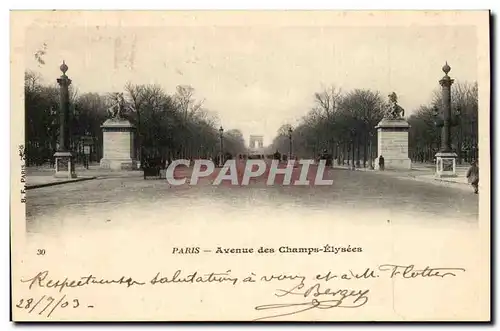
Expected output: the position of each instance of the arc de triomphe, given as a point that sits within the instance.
(256, 141)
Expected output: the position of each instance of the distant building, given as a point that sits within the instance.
(256, 148)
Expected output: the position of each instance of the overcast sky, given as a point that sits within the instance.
(257, 78)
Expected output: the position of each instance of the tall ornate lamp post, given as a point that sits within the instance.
(458, 122)
(290, 131)
(65, 166)
(370, 150)
(353, 135)
(221, 136)
(473, 139)
(337, 153)
(53, 129)
(438, 123)
(366, 121)
(88, 141)
(446, 158)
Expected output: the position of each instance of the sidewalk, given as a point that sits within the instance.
(422, 173)
(44, 176)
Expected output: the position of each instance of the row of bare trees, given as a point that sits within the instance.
(168, 125)
(343, 124)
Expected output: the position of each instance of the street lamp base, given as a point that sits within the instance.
(65, 166)
(446, 164)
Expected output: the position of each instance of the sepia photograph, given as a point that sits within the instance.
(172, 159)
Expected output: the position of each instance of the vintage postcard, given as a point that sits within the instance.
(250, 166)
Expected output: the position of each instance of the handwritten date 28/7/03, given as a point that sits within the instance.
(46, 305)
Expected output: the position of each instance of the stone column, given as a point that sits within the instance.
(446, 158)
(65, 167)
(221, 136)
(446, 83)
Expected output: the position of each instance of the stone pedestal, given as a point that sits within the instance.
(446, 164)
(65, 167)
(118, 145)
(392, 142)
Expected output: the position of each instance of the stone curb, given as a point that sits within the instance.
(112, 176)
(29, 187)
(440, 180)
(418, 178)
(444, 179)
(436, 182)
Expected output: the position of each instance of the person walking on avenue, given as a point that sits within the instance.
(326, 156)
(381, 164)
(473, 176)
(277, 155)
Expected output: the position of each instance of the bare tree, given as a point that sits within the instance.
(363, 109)
(32, 80)
(328, 100)
(134, 95)
(327, 103)
(189, 108)
(187, 104)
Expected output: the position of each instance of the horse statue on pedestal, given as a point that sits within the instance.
(116, 111)
(393, 110)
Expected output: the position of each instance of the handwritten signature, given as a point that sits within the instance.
(343, 298)
(346, 298)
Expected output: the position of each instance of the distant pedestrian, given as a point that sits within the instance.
(327, 157)
(381, 163)
(86, 161)
(277, 155)
(473, 176)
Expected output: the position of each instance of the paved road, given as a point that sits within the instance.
(356, 197)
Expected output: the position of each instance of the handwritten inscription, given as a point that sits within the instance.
(41, 280)
(295, 293)
(195, 277)
(410, 271)
(46, 305)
